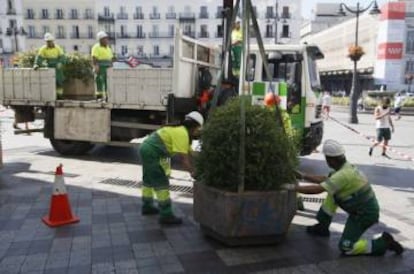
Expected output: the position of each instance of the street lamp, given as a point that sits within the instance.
(276, 19)
(355, 92)
(14, 31)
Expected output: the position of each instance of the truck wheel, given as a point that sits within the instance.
(66, 147)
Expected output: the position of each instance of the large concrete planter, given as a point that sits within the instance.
(77, 89)
(249, 218)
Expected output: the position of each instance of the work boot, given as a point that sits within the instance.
(370, 151)
(170, 220)
(149, 210)
(318, 230)
(392, 244)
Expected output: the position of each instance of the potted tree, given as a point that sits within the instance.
(255, 211)
(79, 78)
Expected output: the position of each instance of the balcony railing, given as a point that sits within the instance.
(286, 35)
(286, 15)
(35, 35)
(270, 15)
(187, 16)
(29, 16)
(60, 36)
(155, 16)
(122, 16)
(219, 34)
(203, 35)
(74, 16)
(11, 12)
(219, 14)
(88, 16)
(130, 35)
(44, 16)
(138, 16)
(59, 16)
(189, 33)
(75, 35)
(269, 35)
(160, 35)
(106, 17)
(203, 15)
(171, 15)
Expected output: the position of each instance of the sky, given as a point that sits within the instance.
(309, 5)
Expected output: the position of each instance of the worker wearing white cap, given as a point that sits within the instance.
(155, 152)
(51, 56)
(349, 189)
(102, 58)
(236, 47)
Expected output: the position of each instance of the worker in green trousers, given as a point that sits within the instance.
(155, 152)
(236, 47)
(348, 189)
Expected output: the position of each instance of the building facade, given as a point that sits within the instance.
(11, 29)
(146, 28)
(388, 43)
(72, 23)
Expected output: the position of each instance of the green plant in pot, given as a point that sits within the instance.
(261, 212)
(79, 77)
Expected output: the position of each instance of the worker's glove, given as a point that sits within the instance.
(290, 187)
(36, 67)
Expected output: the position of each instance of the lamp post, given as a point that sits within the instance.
(276, 19)
(355, 92)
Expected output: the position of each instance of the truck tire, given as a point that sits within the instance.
(66, 147)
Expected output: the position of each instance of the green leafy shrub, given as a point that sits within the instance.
(342, 101)
(78, 66)
(380, 94)
(26, 59)
(271, 156)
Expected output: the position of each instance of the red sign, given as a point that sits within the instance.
(393, 11)
(390, 51)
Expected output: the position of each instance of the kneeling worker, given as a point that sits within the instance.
(155, 152)
(349, 189)
(102, 58)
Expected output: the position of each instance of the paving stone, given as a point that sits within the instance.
(80, 258)
(18, 248)
(150, 270)
(103, 268)
(9, 269)
(58, 260)
(62, 270)
(79, 270)
(146, 236)
(34, 263)
(39, 246)
(101, 255)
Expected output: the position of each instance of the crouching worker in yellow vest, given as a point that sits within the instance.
(102, 58)
(52, 56)
(155, 153)
(271, 101)
(349, 189)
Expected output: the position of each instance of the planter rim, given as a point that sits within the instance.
(232, 193)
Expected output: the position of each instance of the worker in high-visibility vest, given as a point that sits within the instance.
(236, 47)
(52, 56)
(155, 152)
(271, 101)
(102, 58)
(349, 189)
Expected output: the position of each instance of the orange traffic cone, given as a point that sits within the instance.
(60, 212)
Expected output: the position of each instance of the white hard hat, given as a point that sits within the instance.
(238, 20)
(196, 116)
(332, 148)
(49, 37)
(101, 35)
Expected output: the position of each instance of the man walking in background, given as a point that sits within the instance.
(384, 125)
